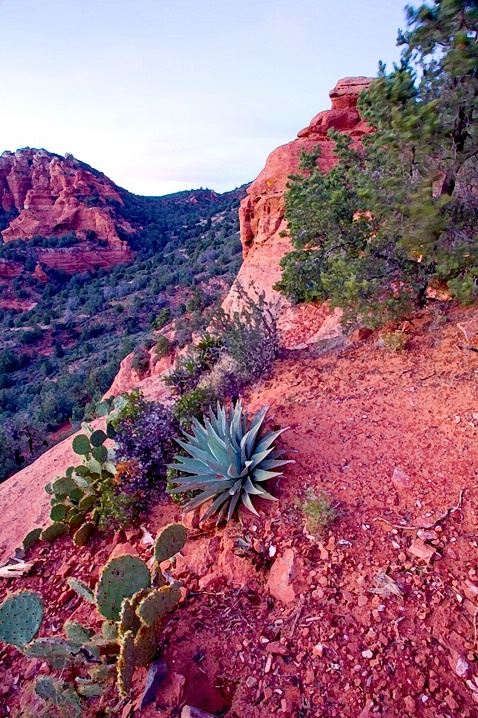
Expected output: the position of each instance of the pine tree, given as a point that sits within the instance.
(399, 215)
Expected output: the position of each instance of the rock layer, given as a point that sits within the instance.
(262, 211)
(55, 196)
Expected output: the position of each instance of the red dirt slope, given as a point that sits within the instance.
(365, 620)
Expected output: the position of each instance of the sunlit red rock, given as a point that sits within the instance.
(56, 196)
(262, 211)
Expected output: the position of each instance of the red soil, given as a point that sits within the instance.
(389, 435)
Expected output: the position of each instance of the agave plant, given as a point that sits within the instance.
(230, 459)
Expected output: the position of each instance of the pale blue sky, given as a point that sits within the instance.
(164, 95)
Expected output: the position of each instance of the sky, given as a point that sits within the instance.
(166, 95)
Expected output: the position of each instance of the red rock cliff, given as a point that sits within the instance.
(262, 211)
(55, 196)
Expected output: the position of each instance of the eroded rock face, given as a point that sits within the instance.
(55, 196)
(262, 211)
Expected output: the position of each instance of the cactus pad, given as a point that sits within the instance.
(57, 652)
(31, 538)
(157, 604)
(126, 664)
(52, 691)
(64, 485)
(77, 633)
(98, 438)
(81, 445)
(53, 531)
(84, 533)
(120, 578)
(169, 542)
(109, 630)
(58, 512)
(81, 589)
(146, 644)
(20, 618)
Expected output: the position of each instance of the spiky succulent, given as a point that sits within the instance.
(230, 459)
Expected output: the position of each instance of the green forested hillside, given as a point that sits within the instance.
(61, 355)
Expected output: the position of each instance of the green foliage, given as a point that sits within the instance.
(145, 433)
(31, 538)
(231, 458)
(188, 370)
(193, 404)
(20, 618)
(319, 512)
(140, 361)
(163, 318)
(249, 336)
(397, 216)
(83, 497)
(163, 347)
(93, 320)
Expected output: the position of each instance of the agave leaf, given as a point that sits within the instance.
(221, 513)
(258, 418)
(194, 466)
(233, 504)
(216, 444)
(250, 488)
(248, 503)
(233, 472)
(193, 485)
(243, 450)
(258, 458)
(274, 463)
(250, 439)
(199, 500)
(216, 504)
(266, 495)
(268, 439)
(261, 475)
(207, 458)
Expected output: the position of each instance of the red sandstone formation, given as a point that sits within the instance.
(262, 211)
(56, 196)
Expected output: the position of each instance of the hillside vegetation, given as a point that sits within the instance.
(61, 355)
(394, 222)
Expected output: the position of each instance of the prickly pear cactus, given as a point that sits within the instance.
(146, 643)
(81, 589)
(53, 531)
(120, 578)
(77, 633)
(126, 664)
(129, 620)
(31, 538)
(57, 652)
(65, 700)
(171, 540)
(84, 533)
(157, 604)
(20, 618)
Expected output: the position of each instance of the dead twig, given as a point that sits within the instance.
(430, 525)
(471, 349)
